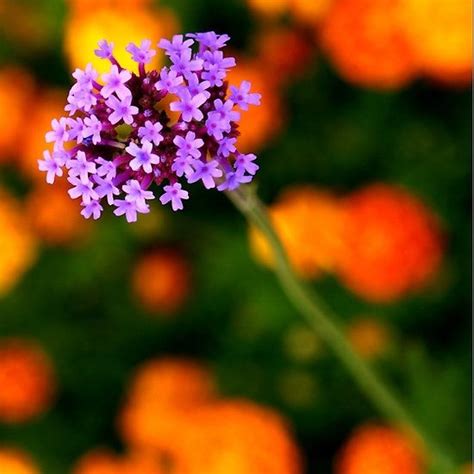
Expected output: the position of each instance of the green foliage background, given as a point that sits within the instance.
(78, 304)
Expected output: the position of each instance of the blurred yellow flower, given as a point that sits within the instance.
(14, 461)
(70, 228)
(119, 24)
(440, 32)
(18, 247)
(309, 224)
(369, 337)
(161, 281)
(27, 381)
(16, 95)
(374, 449)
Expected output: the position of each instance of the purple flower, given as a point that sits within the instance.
(51, 165)
(109, 163)
(136, 194)
(241, 96)
(189, 106)
(84, 79)
(174, 193)
(216, 126)
(83, 189)
(76, 129)
(129, 208)
(92, 128)
(224, 109)
(233, 181)
(195, 86)
(176, 46)
(144, 157)
(188, 145)
(80, 166)
(206, 172)
(142, 53)
(115, 81)
(59, 134)
(151, 132)
(93, 209)
(106, 168)
(245, 163)
(226, 147)
(106, 188)
(210, 39)
(105, 50)
(184, 64)
(182, 166)
(122, 110)
(169, 81)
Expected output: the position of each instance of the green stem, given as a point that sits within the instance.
(322, 320)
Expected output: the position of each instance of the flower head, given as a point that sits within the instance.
(119, 140)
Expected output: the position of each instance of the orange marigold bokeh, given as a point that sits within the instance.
(440, 32)
(161, 281)
(269, 8)
(105, 462)
(392, 243)
(260, 123)
(374, 449)
(235, 437)
(366, 43)
(309, 223)
(14, 461)
(70, 228)
(283, 52)
(18, 245)
(369, 337)
(120, 24)
(27, 380)
(16, 94)
(162, 394)
(49, 104)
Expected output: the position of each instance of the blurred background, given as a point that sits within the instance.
(167, 346)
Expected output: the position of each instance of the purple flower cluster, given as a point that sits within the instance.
(118, 140)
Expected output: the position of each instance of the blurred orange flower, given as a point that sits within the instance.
(309, 11)
(16, 94)
(309, 223)
(70, 228)
(259, 124)
(235, 437)
(14, 461)
(49, 104)
(376, 449)
(392, 243)
(118, 23)
(369, 337)
(283, 52)
(18, 247)
(440, 33)
(367, 44)
(104, 462)
(270, 8)
(162, 394)
(161, 281)
(27, 381)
